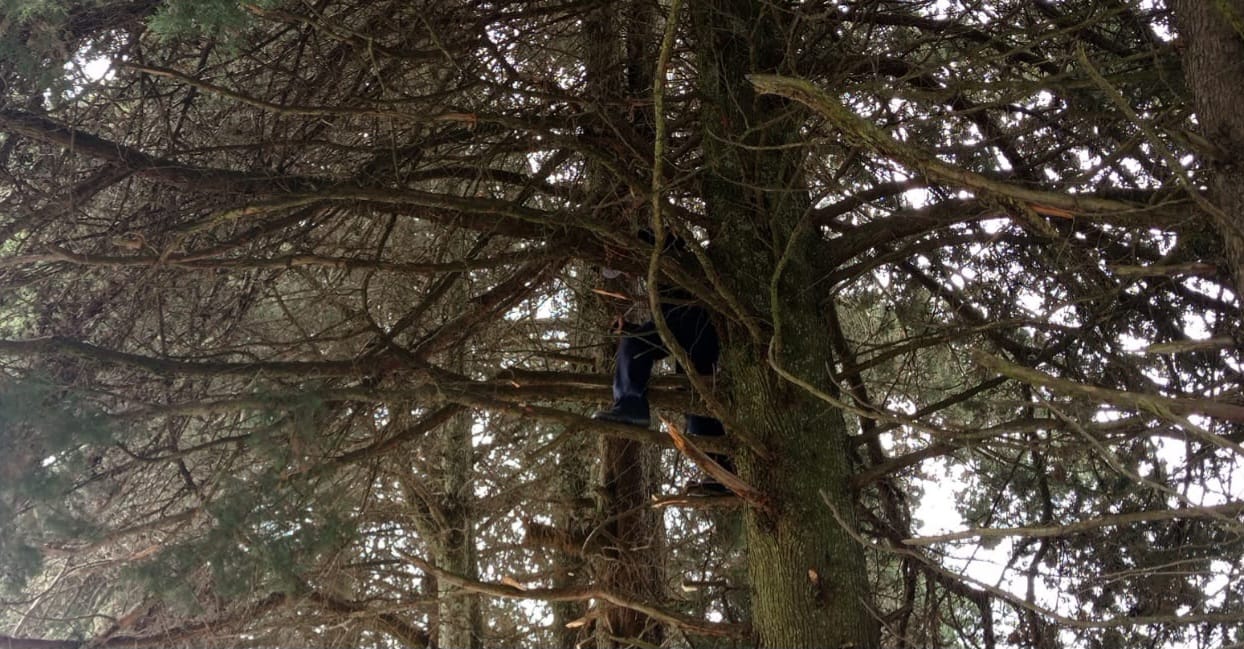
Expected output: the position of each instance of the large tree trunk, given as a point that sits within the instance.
(808, 577)
(1212, 33)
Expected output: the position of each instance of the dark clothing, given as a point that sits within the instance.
(641, 347)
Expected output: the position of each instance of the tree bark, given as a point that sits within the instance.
(809, 585)
(1212, 32)
(458, 614)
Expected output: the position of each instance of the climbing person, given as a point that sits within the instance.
(641, 346)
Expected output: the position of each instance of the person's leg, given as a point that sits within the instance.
(638, 350)
(693, 329)
(694, 332)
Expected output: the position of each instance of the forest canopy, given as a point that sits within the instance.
(305, 307)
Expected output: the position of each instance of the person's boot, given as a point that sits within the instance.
(701, 426)
(631, 412)
(706, 488)
(705, 427)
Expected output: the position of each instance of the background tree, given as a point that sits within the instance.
(299, 328)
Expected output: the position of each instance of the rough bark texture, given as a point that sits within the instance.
(808, 578)
(573, 514)
(568, 564)
(458, 615)
(1213, 66)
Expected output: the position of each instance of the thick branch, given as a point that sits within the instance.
(48, 131)
(195, 260)
(60, 346)
(1151, 403)
(868, 135)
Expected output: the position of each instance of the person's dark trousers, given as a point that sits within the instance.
(641, 347)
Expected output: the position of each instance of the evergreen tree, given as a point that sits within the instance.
(302, 318)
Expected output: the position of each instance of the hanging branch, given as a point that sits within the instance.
(748, 493)
(1152, 403)
(872, 137)
(1079, 527)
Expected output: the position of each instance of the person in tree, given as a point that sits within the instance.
(641, 346)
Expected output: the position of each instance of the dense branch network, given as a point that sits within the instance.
(260, 292)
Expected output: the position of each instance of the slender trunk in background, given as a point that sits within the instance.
(618, 58)
(458, 614)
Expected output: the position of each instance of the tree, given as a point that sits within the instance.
(299, 328)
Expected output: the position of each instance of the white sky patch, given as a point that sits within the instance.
(1131, 343)
(917, 197)
(1222, 578)
(1064, 315)
(98, 69)
(480, 433)
(1032, 302)
(1001, 160)
(1087, 159)
(1132, 166)
(1160, 29)
(936, 513)
(899, 403)
(882, 277)
(1194, 327)
(546, 309)
(993, 226)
